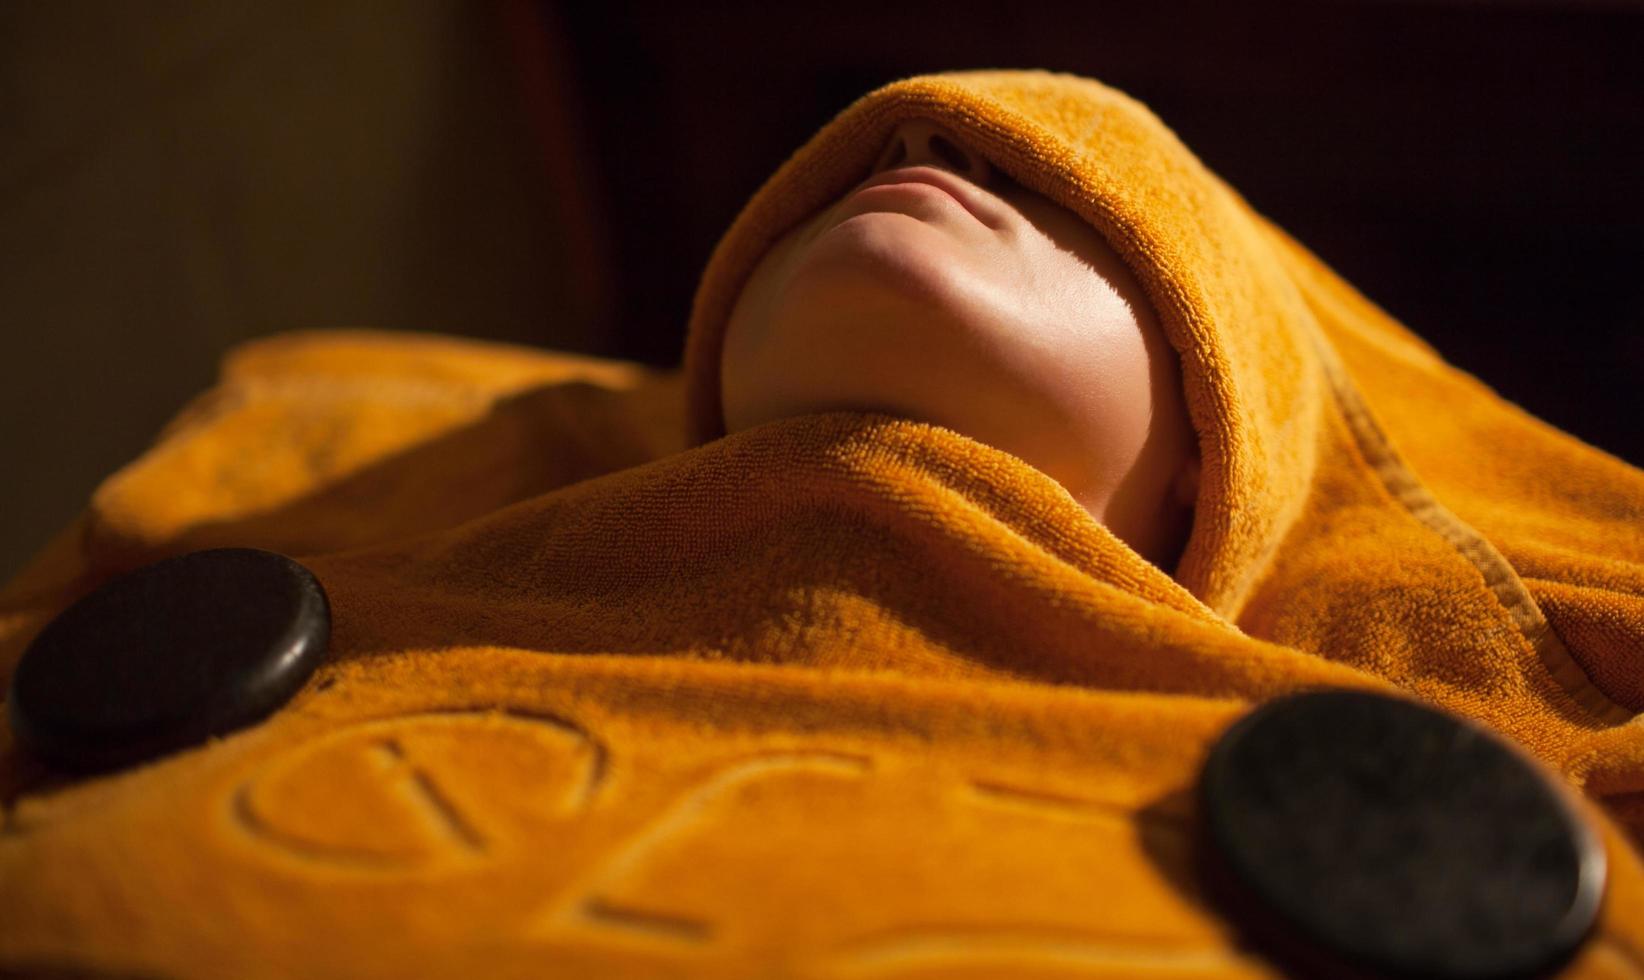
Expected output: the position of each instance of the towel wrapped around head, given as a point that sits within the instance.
(788, 664)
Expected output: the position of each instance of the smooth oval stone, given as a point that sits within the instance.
(168, 655)
(1355, 834)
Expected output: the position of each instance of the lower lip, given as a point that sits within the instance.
(907, 185)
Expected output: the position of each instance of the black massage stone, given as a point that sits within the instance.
(167, 656)
(1356, 835)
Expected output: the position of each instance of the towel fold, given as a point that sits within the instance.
(612, 693)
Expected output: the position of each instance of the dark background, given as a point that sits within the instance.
(1473, 168)
(556, 174)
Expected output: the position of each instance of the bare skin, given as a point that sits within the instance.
(943, 291)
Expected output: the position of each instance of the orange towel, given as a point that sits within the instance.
(844, 695)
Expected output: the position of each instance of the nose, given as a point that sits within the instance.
(922, 142)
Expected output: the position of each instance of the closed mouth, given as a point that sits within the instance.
(967, 194)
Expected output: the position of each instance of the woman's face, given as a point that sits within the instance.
(943, 291)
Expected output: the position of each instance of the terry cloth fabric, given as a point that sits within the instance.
(843, 695)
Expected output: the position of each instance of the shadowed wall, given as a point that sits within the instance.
(178, 177)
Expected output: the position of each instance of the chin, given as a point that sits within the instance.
(866, 319)
(878, 260)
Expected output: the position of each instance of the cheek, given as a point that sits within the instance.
(745, 363)
(1109, 397)
(1093, 371)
